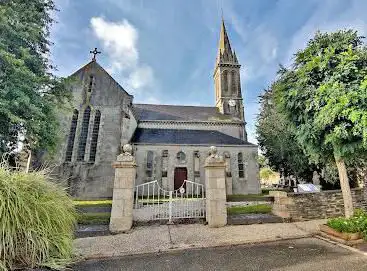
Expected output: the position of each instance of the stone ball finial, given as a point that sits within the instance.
(213, 151)
(126, 154)
(127, 149)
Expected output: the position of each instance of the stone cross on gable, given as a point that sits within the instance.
(95, 52)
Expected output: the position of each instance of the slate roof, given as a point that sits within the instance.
(178, 112)
(177, 136)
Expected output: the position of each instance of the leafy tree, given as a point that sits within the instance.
(324, 95)
(29, 93)
(266, 173)
(277, 140)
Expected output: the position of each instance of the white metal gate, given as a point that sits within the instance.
(152, 202)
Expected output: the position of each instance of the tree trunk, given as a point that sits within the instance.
(344, 184)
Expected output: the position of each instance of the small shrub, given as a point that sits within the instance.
(357, 223)
(37, 220)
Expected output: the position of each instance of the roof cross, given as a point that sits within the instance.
(95, 52)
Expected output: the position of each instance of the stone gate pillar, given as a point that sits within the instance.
(123, 191)
(215, 185)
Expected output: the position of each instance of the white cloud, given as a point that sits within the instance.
(119, 41)
(140, 77)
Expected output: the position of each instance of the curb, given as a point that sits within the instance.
(341, 245)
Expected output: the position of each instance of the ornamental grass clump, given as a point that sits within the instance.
(37, 220)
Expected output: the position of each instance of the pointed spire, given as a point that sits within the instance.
(224, 46)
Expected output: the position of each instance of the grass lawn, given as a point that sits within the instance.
(93, 203)
(94, 218)
(250, 209)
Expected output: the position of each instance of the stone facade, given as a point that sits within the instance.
(195, 161)
(303, 206)
(94, 179)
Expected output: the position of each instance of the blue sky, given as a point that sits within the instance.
(163, 51)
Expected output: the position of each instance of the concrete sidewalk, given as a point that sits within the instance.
(153, 239)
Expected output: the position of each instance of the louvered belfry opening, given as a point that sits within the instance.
(83, 134)
(95, 132)
(71, 138)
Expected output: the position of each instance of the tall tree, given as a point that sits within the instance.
(277, 139)
(324, 95)
(29, 93)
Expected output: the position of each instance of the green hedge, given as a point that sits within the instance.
(37, 220)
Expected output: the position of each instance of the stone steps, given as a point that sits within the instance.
(248, 219)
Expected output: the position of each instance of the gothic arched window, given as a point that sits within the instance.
(241, 170)
(225, 81)
(233, 82)
(150, 156)
(94, 142)
(83, 134)
(71, 139)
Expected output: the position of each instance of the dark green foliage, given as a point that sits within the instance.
(324, 95)
(357, 223)
(29, 93)
(277, 139)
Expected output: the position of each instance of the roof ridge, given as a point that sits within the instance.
(176, 105)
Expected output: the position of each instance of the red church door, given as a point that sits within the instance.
(180, 176)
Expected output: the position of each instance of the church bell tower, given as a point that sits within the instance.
(227, 82)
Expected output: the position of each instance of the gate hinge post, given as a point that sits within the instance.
(170, 209)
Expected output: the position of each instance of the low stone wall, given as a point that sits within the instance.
(304, 206)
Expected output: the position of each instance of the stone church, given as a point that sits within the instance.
(170, 142)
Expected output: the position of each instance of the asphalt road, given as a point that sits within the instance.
(301, 254)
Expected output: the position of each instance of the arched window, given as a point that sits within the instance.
(83, 135)
(241, 172)
(225, 81)
(71, 139)
(91, 81)
(233, 82)
(94, 142)
(150, 156)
